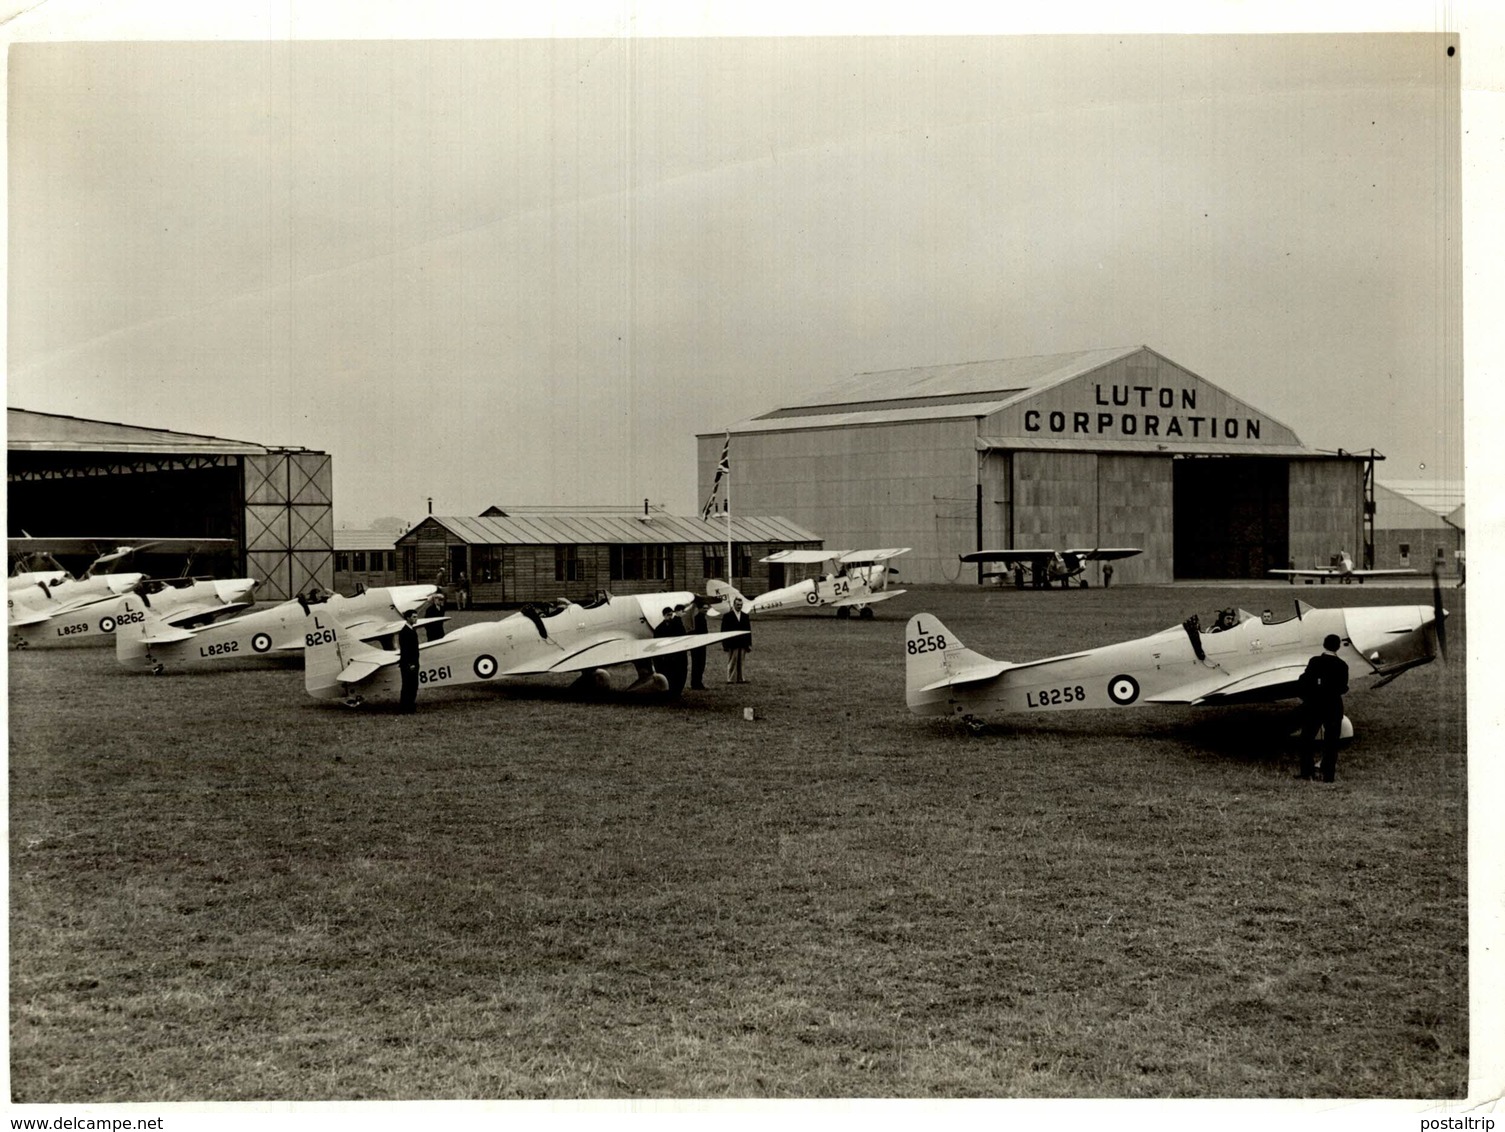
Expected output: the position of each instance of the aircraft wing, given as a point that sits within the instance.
(1276, 683)
(861, 557)
(1103, 553)
(1376, 573)
(1011, 555)
(808, 557)
(111, 546)
(31, 619)
(869, 598)
(196, 609)
(1313, 572)
(604, 651)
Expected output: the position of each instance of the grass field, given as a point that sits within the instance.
(222, 890)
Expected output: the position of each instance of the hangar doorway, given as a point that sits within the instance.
(1232, 516)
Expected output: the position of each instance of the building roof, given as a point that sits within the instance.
(364, 540)
(1456, 518)
(1439, 496)
(628, 526)
(1396, 512)
(27, 431)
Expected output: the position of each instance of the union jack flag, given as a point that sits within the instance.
(723, 469)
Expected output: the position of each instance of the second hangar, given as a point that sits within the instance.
(1108, 447)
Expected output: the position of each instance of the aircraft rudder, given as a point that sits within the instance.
(323, 654)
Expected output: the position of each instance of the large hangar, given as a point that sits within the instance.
(74, 477)
(1108, 447)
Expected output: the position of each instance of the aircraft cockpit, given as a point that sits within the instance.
(1219, 622)
(595, 601)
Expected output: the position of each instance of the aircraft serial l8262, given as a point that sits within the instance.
(1039, 568)
(567, 637)
(180, 601)
(859, 580)
(1342, 569)
(1243, 659)
(158, 645)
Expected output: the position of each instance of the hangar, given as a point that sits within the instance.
(1410, 534)
(1107, 447)
(74, 477)
(515, 554)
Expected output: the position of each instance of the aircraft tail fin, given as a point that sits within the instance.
(725, 592)
(328, 649)
(137, 627)
(935, 660)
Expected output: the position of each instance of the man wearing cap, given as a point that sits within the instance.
(1323, 686)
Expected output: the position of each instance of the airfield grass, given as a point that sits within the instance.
(223, 890)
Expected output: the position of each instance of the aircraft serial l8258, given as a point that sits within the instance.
(1039, 568)
(1342, 569)
(1247, 660)
(180, 601)
(859, 580)
(567, 637)
(158, 645)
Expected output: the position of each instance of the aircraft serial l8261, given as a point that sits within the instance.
(158, 645)
(567, 637)
(1039, 568)
(180, 601)
(1342, 569)
(859, 580)
(1243, 659)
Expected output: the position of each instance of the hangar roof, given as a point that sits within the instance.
(628, 526)
(1396, 512)
(1181, 447)
(27, 431)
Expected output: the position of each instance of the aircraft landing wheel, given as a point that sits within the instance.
(975, 726)
(158, 669)
(866, 613)
(1082, 584)
(353, 701)
(843, 613)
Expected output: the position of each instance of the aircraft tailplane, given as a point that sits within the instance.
(328, 648)
(934, 656)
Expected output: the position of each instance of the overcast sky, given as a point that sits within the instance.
(530, 271)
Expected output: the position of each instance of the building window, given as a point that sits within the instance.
(566, 564)
(391, 561)
(358, 565)
(715, 561)
(633, 563)
(342, 561)
(486, 561)
(1405, 550)
(409, 563)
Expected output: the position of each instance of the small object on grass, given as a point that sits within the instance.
(747, 713)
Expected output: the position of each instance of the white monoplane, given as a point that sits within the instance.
(157, 644)
(180, 601)
(1342, 569)
(566, 637)
(858, 579)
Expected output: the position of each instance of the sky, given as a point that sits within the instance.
(531, 270)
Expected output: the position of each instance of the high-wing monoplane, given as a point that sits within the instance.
(1342, 569)
(181, 601)
(155, 643)
(566, 637)
(1041, 568)
(1239, 659)
(857, 580)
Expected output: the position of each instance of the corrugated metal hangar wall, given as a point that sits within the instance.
(1114, 447)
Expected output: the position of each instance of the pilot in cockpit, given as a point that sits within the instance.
(1227, 619)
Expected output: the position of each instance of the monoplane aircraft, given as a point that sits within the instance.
(1342, 569)
(155, 643)
(565, 637)
(1039, 568)
(182, 601)
(1240, 659)
(858, 579)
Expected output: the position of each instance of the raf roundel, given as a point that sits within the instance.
(261, 642)
(107, 624)
(485, 667)
(1123, 690)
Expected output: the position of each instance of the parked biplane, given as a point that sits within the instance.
(1342, 569)
(1040, 568)
(857, 580)
(565, 637)
(157, 644)
(180, 601)
(1239, 659)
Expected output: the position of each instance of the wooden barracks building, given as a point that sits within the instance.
(1109, 447)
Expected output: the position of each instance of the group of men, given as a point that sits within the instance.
(695, 619)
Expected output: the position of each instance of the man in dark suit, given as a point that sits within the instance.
(672, 665)
(1323, 686)
(697, 656)
(737, 648)
(407, 661)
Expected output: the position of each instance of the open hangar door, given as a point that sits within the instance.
(1232, 516)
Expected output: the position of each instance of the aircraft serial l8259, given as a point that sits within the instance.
(158, 645)
(567, 637)
(1247, 660)
(180, 601)
(1342, 569)
(859, 580)
(1039, 568)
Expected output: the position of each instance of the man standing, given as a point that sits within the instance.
(407, 661)
(672, 665)
(701, 626)
(735, 621)
(1323, 686)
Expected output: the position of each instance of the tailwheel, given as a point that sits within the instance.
(158, 668)
(353, 701)
(975, 726)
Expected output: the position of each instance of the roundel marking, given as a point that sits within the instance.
(484, 666)
(813, 598)
(261, 642)
(107, 624)
(1123, 690)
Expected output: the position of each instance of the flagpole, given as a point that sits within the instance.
(727, 449)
